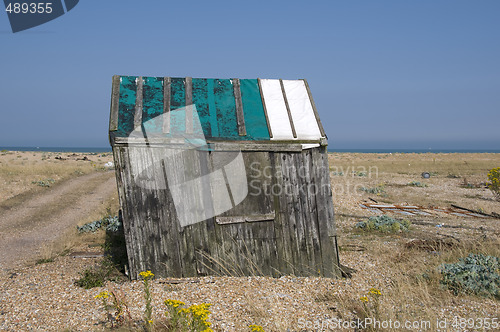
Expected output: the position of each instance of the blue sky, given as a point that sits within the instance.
(384, 74)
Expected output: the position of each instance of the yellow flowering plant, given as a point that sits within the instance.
(193, 318)
(118, 303)
(374, 292)
(371, 303)
(146, 274)
(120, 306)
(256, 328)
(494, 184)
(173, 303)
(148, 312)
(175, 312)
(199, 317)
(104, 296)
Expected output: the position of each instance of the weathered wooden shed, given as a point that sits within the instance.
(222, 176)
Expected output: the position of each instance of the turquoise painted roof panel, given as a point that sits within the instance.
(152, 104)
(200, 99)
(177, 107)
(225, 106)
(255, 118)
(126, 106)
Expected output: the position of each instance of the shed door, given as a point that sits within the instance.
(245, 234)
(258, 205)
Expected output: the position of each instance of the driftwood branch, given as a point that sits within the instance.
(494, 215)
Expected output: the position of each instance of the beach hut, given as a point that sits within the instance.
(222, 177)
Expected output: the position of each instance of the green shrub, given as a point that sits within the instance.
(44, 261)
(90, 279)
(376, 190)
(384, 224)
(44, 183)
(98, 275)
(494, 184)
(417, 184)
(474, 274)
(109, 222)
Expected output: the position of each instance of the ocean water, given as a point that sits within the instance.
(56, 149)
(415, 150)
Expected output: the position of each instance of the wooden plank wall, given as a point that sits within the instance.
(294, 188)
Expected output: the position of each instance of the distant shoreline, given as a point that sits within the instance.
(332, 150)
(55, 149)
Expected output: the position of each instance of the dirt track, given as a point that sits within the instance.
(32, 223)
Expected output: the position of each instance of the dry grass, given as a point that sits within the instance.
(18, 170)
(72, 239)
(444, 164)
(416, 281)
(410, 282)
(395, 171)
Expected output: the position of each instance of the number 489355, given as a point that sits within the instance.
(32, 8)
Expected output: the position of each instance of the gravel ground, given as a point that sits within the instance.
(44, 297)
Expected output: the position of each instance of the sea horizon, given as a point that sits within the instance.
(412, 150)
(331, 150)
(55, 149)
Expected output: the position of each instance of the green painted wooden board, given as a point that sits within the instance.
(177, 111)
(253, 110)
(152, 105)
(214, 101)
(226, 109)
(200, 99)
(126, 108)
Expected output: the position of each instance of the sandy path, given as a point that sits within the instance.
(27, 227)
